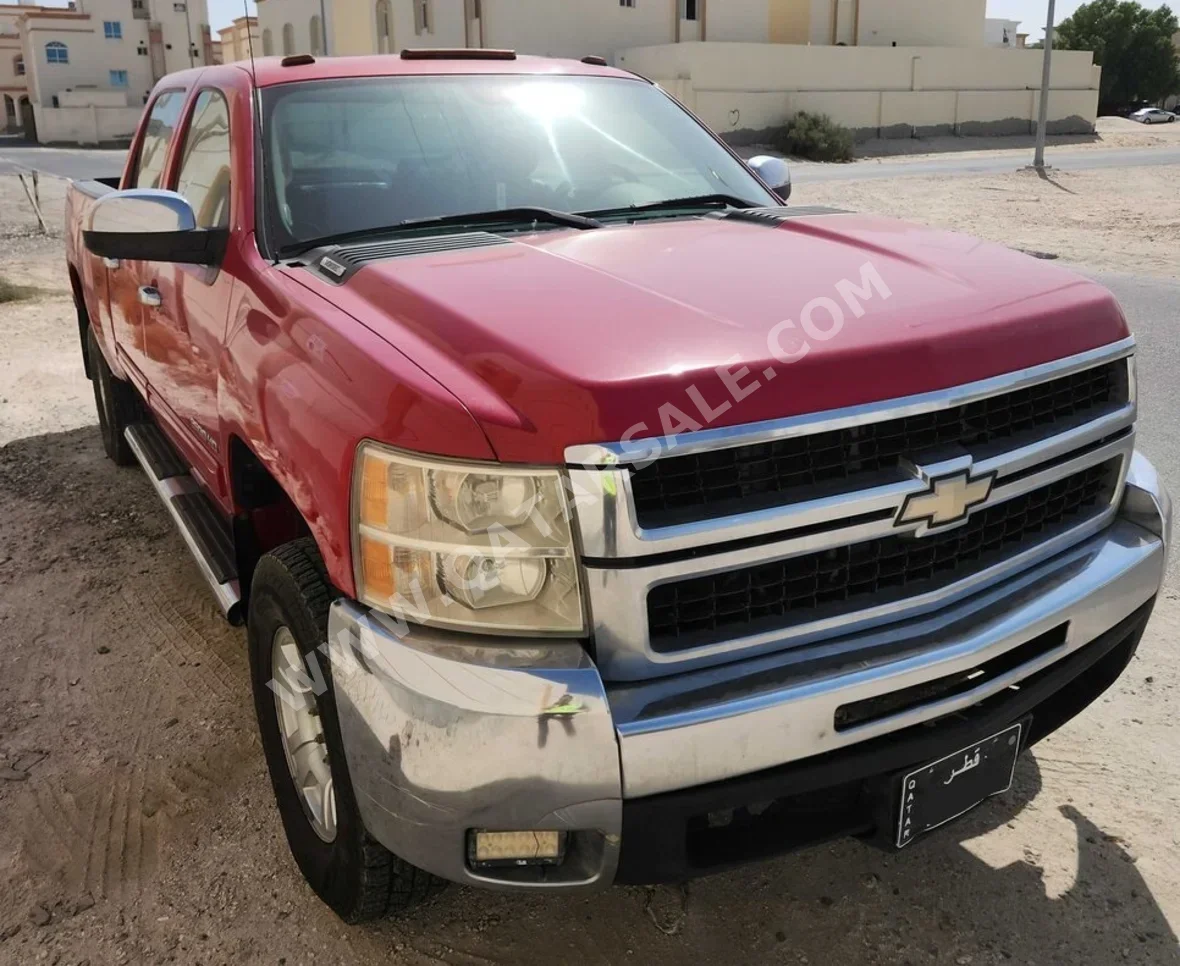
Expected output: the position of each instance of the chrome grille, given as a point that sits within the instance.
(702, 610)
(680, 489)
(788, 556)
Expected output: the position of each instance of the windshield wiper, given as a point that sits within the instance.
(525, 214)
(671, 204)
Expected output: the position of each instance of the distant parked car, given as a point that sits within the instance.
(1153, 115)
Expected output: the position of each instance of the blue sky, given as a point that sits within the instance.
(221, 12)
(1032, 13)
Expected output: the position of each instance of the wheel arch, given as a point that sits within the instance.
(265, 516)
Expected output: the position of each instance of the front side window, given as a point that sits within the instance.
(352, 155)
(118, 78)
(205, 165)
(57, 52)
(112, 29)
(161, 126)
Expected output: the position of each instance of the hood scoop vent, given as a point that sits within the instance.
(776, 216)
(340, 262)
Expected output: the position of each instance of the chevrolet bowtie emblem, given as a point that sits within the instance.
(947, 501)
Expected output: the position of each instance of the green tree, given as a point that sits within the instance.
(1132, 44)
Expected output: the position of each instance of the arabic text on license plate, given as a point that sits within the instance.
(942, 790)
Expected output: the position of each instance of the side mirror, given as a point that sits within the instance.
(775, 172)
(145, 224)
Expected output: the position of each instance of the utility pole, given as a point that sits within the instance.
(1043, 119)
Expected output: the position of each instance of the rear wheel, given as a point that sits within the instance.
(117, 404)
(296, 709)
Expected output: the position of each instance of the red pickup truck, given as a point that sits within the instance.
(595, 516)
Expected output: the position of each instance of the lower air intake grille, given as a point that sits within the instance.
(702, 610)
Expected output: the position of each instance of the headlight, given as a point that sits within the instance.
(476, 546)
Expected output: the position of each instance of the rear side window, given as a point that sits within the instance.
(161, 126)
(204, 169)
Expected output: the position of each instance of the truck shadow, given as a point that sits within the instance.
(847, 903)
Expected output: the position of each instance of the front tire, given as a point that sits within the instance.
(288, 622)
(117, 404)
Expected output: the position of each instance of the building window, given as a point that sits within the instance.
(118, 78)
(57, 53)
(688, 9)
(317, 40)
(18, 65)
(627, 3)
(139, 9)
(268, 43)
(423, 17)
(384, 27)
(112, 29)
(288, 39)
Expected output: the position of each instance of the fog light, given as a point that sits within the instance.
(516, 848)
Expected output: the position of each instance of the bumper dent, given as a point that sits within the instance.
(443, 736)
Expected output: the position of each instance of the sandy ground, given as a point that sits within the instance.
(138, 825)
(1123, 220)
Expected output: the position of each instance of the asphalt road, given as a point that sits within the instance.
(74, 163)
(1152, 306)
(1063, 158)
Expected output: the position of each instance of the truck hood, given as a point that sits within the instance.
(563, 337)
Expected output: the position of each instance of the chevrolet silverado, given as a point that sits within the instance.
(594, 515)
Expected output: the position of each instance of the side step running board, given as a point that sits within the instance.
(201, 525)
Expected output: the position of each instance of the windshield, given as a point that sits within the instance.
(343, 156)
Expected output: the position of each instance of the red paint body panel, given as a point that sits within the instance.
(515, 352)
(576, 337)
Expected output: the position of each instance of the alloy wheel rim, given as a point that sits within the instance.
(302, 734)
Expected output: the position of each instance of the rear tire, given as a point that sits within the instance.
(117, 404)
(345, 866)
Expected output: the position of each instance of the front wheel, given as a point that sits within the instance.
(296, 708)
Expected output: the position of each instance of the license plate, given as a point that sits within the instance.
(943, 790)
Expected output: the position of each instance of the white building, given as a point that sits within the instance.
(998, 32)
(85, 71)
(238, 38)
(568, 28)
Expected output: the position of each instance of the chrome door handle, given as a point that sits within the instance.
(150, 296)
(111, 263)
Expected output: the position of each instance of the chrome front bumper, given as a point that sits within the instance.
(444, 733)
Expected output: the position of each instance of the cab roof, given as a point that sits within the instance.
(269, 71)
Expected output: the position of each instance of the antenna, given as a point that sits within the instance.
(250, 44)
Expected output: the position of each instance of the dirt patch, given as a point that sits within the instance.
(1124, 220)
(139, 825)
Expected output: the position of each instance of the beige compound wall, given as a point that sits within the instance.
(85, 125)
(741, 90)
